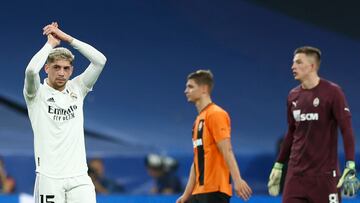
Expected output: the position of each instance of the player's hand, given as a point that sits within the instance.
(274, 179)
(182, 199)
(348, 181)
(54, 30)
(53, 41)
(242, 190)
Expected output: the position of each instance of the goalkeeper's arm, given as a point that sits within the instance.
(348, 181)
(285, 149)
(276, 172)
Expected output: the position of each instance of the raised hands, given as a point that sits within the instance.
(53, 41)
(55, 35)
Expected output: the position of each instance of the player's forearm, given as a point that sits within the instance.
(97, 59)
(341, 111)
(32, 78)
(38, 60)
(232, 165)
(92, 54)
(191, 182)
(348, 138)
(225, 149)
(285, 148)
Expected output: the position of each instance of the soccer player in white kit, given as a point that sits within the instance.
(56, 113)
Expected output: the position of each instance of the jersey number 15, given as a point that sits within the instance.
(48, 198)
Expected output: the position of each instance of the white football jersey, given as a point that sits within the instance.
(58, 124)
(57, 116)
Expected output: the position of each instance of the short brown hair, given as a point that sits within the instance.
(60, 53)
(310, 51)
(203, 77)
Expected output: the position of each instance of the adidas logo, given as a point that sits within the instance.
(51, 99)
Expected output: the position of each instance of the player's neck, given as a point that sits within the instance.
(202, 103)
(311, 82)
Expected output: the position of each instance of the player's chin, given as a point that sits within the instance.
(61, 83)
(189, 100)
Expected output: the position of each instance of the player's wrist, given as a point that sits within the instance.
(278, 166)
(50, 44)
(350, 165)
(185, 196)
(69, 39)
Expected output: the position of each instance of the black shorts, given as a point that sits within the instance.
(212, 197)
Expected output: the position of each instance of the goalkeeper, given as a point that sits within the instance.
(315, 110)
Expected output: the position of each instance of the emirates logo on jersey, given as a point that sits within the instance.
(316, 102)
(59, 114)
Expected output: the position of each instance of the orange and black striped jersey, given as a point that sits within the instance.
(212, 174)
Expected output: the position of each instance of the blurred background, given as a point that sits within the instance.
(138, 107)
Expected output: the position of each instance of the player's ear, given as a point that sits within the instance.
(46, 68)
(314, 67)
(208, 89)
(313, 64)
(71, 70)
(205, 89)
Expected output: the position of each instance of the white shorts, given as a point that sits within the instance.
(78, 189)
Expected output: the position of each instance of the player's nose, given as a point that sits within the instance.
(293, 67)
(61, 71)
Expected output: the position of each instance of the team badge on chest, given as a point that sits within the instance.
(316, 102)
(73, 96)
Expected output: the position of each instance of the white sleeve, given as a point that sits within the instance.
(32, 78)
(92, 72)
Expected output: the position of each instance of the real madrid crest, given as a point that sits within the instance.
(316, 102)
(73, 95)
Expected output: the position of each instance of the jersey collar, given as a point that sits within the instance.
(206, 107)
(64, 91)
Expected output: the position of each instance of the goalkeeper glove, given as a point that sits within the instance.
(274, 179)
(348, 181)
